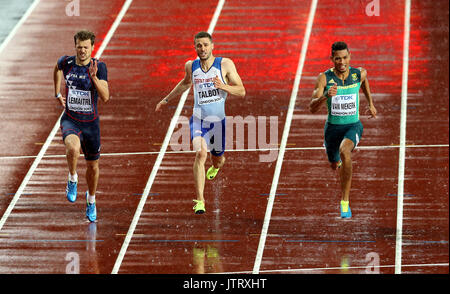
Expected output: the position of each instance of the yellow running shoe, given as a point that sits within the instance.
(199, 256)
(346, 212)
(199, 207)
(212, 172)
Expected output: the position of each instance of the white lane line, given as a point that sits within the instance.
(401, 159)
(284, 138)
(160, 157)
(381, 147)
(56, 126)
(337, 268)
(28, 176)
(13, 32)
(113, 28)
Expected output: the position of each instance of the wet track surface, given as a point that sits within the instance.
(43, 232)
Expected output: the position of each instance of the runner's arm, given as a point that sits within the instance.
(180, 88)
(57, 78)
(318, 96)
(366, 90)
(234, 86)
(102, 88)
(101, 84)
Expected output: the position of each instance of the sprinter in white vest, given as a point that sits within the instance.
(213, 78)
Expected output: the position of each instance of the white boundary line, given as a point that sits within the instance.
(159, 159)
(401, 159)
(113, 28)
(335, 268)
(381, 147)
(13, 32)
(284, 138)
(56, 126)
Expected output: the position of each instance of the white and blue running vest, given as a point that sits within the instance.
(209, 102)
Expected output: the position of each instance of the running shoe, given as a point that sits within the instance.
(346, 212)
(212, 172)
(71, 191)
(199, 207)
(91, 210)
(199, 256)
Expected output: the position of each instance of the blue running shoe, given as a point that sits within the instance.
(71, 191)
(346, 213)
(91, 210)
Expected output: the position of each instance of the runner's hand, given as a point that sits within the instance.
(371, 111)
(218, 83)
(160, 104)
(62, 101)
(93, 68)
(332, 91)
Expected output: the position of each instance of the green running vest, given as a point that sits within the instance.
(344, 107)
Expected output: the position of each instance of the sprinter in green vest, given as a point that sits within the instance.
(339, 88)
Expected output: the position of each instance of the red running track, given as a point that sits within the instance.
(145, 57)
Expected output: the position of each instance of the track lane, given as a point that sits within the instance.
(306, 231)
(169, 237)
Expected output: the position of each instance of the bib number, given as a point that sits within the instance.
(208, 94)
(343, 105)
(79, 101)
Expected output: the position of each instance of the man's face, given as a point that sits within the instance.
(204, 48)
(341, 60)
(84, 50)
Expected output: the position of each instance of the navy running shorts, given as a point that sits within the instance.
(88, 132)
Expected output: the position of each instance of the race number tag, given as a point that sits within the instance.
(343, 105)
(79, 101)
(208, 94)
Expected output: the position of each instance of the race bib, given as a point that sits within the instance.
(343, 105)
(208, 94)
(79, 101)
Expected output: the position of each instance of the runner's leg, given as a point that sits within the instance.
(92, 175)
(73, 146)
(345, 171)
(201, 155)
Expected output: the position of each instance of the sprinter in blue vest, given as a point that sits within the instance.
(86, 80)
(212, 78)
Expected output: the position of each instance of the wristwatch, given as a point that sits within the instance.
(58, 95)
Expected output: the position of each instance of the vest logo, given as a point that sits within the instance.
(331, 81)
(354, 77)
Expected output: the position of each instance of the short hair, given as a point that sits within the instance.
(203, 35)
(83, 36)
(338, 46)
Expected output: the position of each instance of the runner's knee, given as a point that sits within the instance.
(218, 161)
(92, 165)
(345, 150)
(201, 155)
(73, 148)
(345, 154)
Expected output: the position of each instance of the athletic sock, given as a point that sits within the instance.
(73, 178)
(344, 205)
(91, 198)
